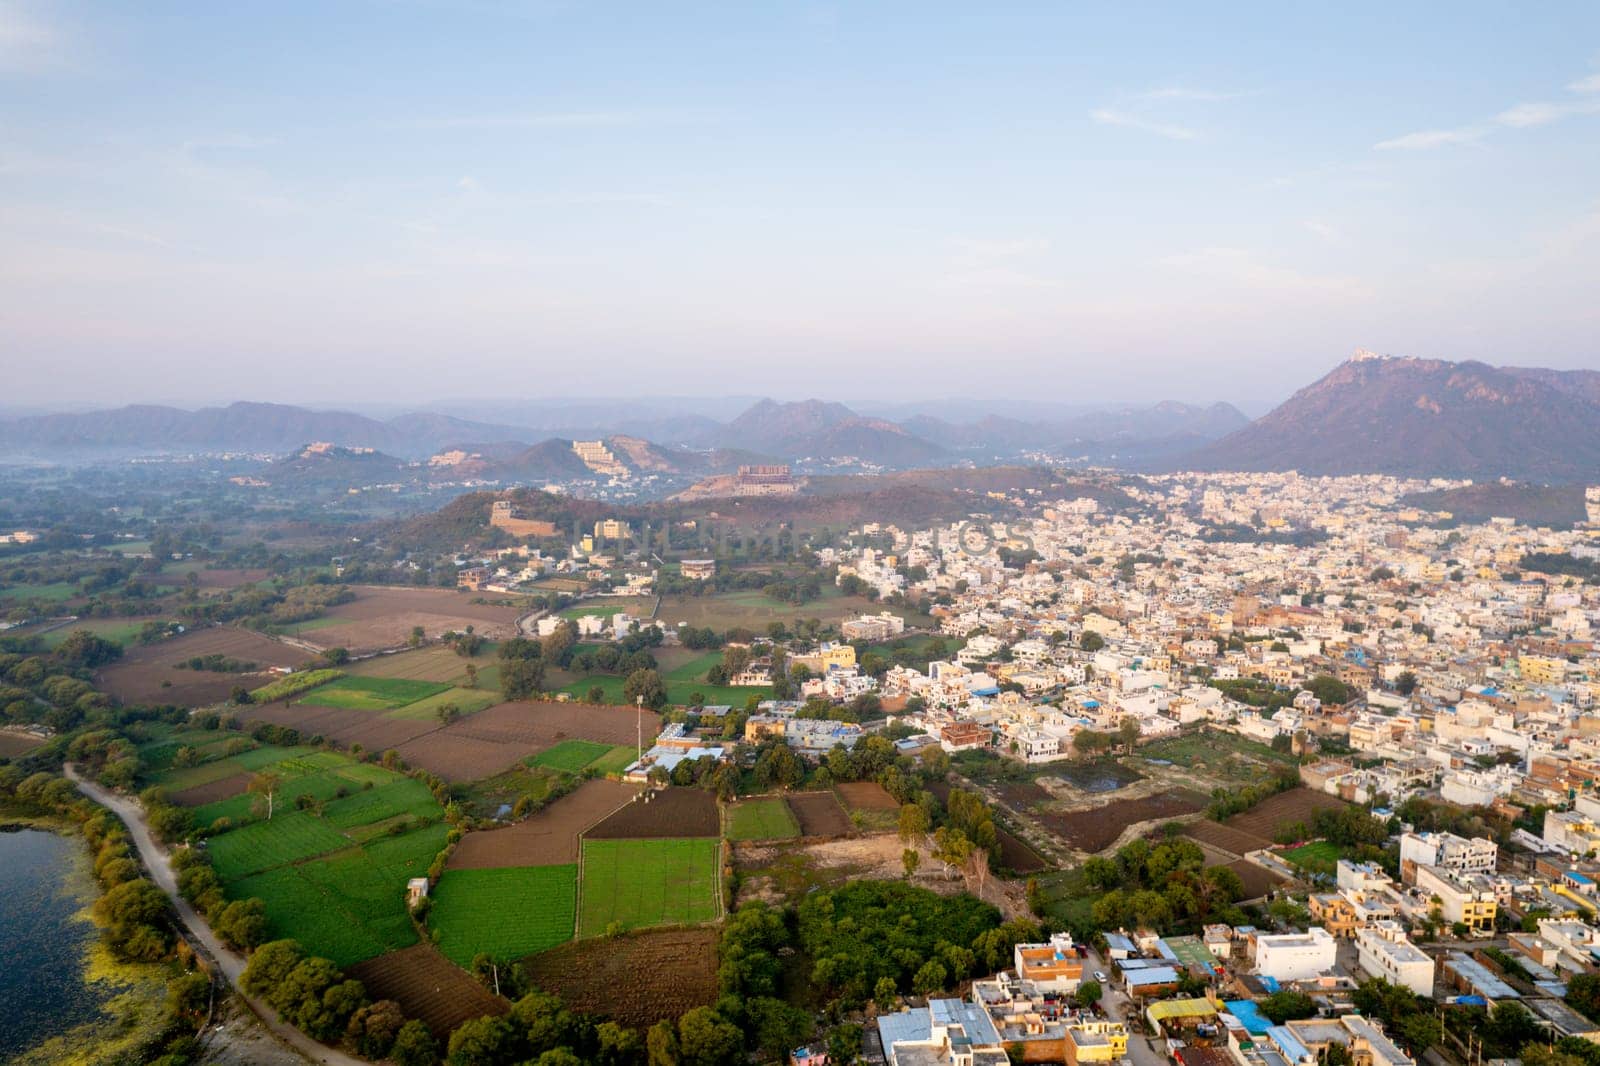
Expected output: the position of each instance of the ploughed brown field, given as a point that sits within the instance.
(1296, 805)
(384, 617)
(493, 740)
(670, 812)
(212, 791)
(137, 677)
(1225, 837)
(820, 815)
(548, 838)
(867, 796)
(428, 986)
(1016, 854)
(637, 979)
(1098, 828)
(13, 744)
(1257, 880)
(342, 725)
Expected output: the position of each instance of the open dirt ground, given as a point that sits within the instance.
(139, 675)
(867, 796)
(549, 838)
(820, 815)
(428, 986)
(384, 617)
(1097, 828)
(670, 812)
(492, 741)
(637, 979)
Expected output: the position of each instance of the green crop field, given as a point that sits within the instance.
(117, 630)
(53, 593)
(761, 819)
(351, 904)
(1320, 852)
(333, 875)
(638, 606)
(679, 692)
(641, 883)
(373, 693)
(507, 912)
(571, 755)
(615, 761)
(465, 700)
(294, 684)
(286, 837)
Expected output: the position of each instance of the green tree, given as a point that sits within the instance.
(1287, 1006)
(705, 1038)
(520, 679)
(929, 979)
(487, 1041)
(645, 683)
(844, 1044)
(1088, 992)
(414, 1046)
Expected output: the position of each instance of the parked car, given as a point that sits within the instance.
(1099, 975)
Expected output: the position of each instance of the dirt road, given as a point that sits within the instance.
(230, 963)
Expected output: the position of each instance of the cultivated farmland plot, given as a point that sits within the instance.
(637, 979)
(372, 693)
(639, 883)
(428, 986)
(506, 912)
(767, 818)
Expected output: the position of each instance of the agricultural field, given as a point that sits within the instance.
(351, 903)
(766, 818)
(372, 693)
(148, 673)
(820, 815)
(14, 744)
(506, 912)
(1296, 805)
(867, 796)
(117, 630)
(571, 755)
(436, 662)
(1317, 854)
(667, 813)
(637, 606)
(428, 986)
(637, 883)
(637, 979)
(1225, 838)
(56, 592)
(1017, 854)
(493, 741)
(381, 617)
(374, 732)
(680, 690)
(547, 838)
(332, 873)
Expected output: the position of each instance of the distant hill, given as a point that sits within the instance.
(814, 429)
(266, 427)
(333, 465)
(1424, 418)
(1532, 505)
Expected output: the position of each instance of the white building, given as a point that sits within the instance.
(1384, 950)
(1475, 856)
(1295, 956)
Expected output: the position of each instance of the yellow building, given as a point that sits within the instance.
(1096, 1041)
(1542, 669)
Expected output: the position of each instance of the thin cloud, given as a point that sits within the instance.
(28, 45)
(1327, 232)
(1520, 116)
(1432, 139)
(1106, 116)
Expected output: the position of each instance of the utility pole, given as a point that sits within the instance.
(638, 703)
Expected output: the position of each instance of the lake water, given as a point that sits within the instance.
(42, 990)
(1104, 776)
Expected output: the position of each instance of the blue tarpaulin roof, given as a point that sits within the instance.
(1250, 1016)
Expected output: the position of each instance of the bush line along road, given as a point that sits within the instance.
(229, 962)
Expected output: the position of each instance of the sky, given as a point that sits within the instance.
(403, 202)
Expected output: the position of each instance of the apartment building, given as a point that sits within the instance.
(1468, 899)
(1053, 966)
(1295, 956)
(1384, 950)
(1446, 850)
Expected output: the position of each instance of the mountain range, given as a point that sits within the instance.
(808, 432)
(1376, 414)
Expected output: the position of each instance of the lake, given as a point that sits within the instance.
(42, 888)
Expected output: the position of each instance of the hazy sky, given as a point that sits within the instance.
(403, 201)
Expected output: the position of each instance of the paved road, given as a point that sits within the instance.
(229, 962)
(1142, 1050)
